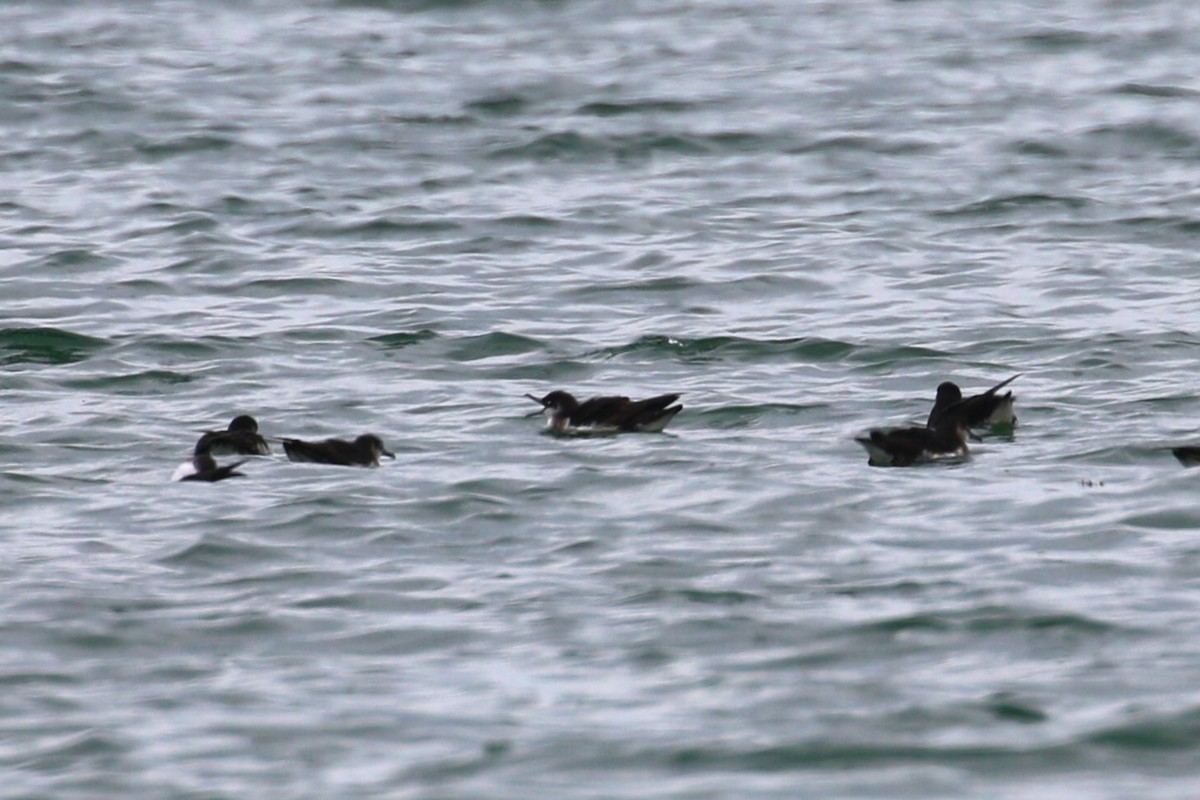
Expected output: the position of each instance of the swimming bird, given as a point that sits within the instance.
(979, 411)
(611, 414)
(240, 438)
(903, 447)
(362, 452)
(203, 467)
(1189, 456)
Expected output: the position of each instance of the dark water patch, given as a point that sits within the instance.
(414, 5)
(847, 755)
(540, 374)
(378, 228)
(734, 417)
(882, 145)
(150, 381)
(1188, 226)
(575, 147)
(1169, 731)
(499, 105)
(221, 553)
(1144, 139)
(200, 348)
(1003, 706)
(205, 143)
(1008, 204)
(1155, 90)
(1173, 519)
(11, 66)
(532, 221)
(1040, 148)
(146, 287)
(30, 678)
(719, 348)
(46, 346)
(397, 341)
(90, 749)
(716, 598)
(188, 222)
(1059, 40)
(282, 579)
(896, 588)
(284, 287)
(397, 641)
(670, 283)
(459, 507)
(620, 109)
(579, 546)
(70, 258)
(492, 345)
(992, 621)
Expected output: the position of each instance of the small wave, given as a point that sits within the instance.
(717, 348)
(499, 105)
(490, 345)
(182, 145)
(732, 417)
(1155, 90)
(1140, 138)
(1060, 39)
(1172, 731)
(144, 382)
(990, 620)
(220, 554)
(617, 109)
(1007, 204)
(882, 145)
(395, 341)
(46, 346)
(572, 146)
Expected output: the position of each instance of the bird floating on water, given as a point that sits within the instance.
(903, 447)
(980, 411)
(240, 438)
(362, 452)
(203, 467)
(611, 414)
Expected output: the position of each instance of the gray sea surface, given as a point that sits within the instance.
(400, 217)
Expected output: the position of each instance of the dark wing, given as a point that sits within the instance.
(218, 474)
(1188, 456)
(905, 445)
(241, 443)
(981, 406)
(330, 451)
(601, 411)
(646, 412)
(621, 412)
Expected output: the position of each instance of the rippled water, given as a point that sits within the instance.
(400, 217)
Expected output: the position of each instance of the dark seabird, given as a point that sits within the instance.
(203, 467)
(903, 447)
(240, 438)
(981, 410)
(614, 414)
(1188, 456)
(362, 452)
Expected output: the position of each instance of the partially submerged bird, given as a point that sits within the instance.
(362, 452)
(203, 467)
(240, 438)
(611, 414)
(903, 447)
(1189, 456)
(979, 411)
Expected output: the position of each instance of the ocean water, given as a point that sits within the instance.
(400, 217)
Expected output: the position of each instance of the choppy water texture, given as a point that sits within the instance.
(400, 217)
